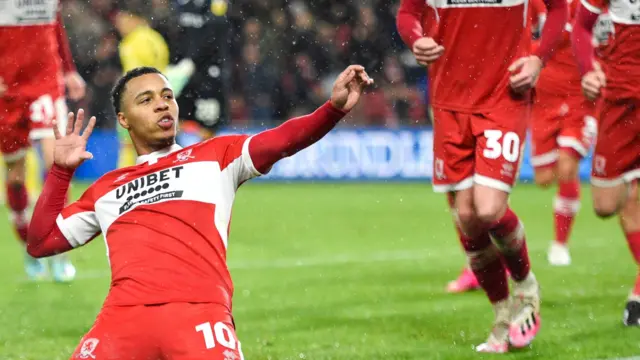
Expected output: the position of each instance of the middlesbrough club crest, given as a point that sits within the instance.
(184, 156)
(87, 349)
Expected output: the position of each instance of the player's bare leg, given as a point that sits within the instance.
(491, 206)
(623, 200)
(486, 264)
(18, 203)
(466, 281)
(630, 222)
(62, 269)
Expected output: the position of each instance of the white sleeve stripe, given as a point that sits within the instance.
(78, 228)
(65, 231)
(593, 9)
(246, 158)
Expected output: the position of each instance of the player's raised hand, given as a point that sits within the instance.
(524, 73)
(71, 149)
(426, 51)
(593, 81)
(349, 86)
(76, 86)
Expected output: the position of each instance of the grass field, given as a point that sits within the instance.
(354, 271)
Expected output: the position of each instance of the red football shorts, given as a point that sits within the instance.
(172, 331)
(616, 159)
(484, 148)
(22, 119)
(561, 123)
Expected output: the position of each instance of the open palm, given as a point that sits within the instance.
(71, 149)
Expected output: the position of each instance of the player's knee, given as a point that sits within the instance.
(490, 211)
(466, 214)
(605, 208)
(544, 177)
(16, 172)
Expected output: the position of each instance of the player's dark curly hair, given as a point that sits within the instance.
(121, 84)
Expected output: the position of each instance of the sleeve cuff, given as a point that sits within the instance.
(61, 172)
(68, 235)
(333, 110)
(246, 158)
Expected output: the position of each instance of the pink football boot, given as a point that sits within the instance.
(466, 281)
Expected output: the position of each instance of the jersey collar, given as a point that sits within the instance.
(154, 156)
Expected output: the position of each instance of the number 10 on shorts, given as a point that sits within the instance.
(498, 144)
(220, 333)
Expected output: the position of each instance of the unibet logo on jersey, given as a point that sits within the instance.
(149, 189)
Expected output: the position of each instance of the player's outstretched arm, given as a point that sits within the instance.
(45, 238)
(267, 147)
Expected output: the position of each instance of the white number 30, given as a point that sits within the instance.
(508, 145)
(223, 335)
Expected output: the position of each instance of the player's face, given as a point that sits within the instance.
(149, 112)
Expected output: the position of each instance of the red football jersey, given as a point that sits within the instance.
(561, 74)
(166, 222)
(30, 61)
(621, 58)
(481, 38)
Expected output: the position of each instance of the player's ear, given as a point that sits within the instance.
(123, 121)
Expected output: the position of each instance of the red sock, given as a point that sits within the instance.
(566, 206)
(18, 200)
(487, 266)
(509, 235)
(636, 288)
(633, 240)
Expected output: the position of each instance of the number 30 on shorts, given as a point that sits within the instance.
(506, 145)
(219, 334)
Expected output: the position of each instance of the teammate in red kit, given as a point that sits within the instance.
(35, 65)
(481, 72)
(166, 220)
(615, 83)
(563, 129)
(466, 280)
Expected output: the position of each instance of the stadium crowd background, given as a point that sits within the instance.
(284, 55)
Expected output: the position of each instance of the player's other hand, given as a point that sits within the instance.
(349, 86)
(524, 73)
(71, 149)
(3, 87)
(593, 81)
(426, 51)
(75, 85)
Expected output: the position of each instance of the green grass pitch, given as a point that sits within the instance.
(354, 271)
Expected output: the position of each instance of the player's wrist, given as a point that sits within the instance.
(62, 172)
(333, 108)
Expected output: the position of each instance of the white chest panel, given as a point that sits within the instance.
(27, 12)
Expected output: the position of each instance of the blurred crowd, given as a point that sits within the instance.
(284, 57)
